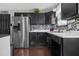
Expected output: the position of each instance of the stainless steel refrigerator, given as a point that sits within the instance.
(20, 32)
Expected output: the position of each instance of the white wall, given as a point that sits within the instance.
(25, 6)
(5, 46)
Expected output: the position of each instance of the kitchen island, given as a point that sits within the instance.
(69, 34)
(69, 41)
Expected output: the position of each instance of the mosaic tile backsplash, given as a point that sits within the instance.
(71, 26)
(40, 27)
(74, 25)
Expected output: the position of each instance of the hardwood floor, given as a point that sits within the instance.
(31, 52)
(20, 52)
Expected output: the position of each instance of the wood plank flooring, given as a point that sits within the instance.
(31, 52)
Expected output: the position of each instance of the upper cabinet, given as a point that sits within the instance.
(47, 18)
(4, 23)
(43, 18)
(50, 17)
(37, 19)
(69, 10)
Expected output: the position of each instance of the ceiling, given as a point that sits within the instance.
(26, 6)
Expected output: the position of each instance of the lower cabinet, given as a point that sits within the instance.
(45, 40)
(54, 45)
(37, 39)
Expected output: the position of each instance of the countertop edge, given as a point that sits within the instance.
(59, 34)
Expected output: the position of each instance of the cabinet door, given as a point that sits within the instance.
(37, 39)
(32, 39)
(4, 23)
(37, 19)
(47, 18)
(32, 19)
(52, 43)
(41, 19)
(41, 38)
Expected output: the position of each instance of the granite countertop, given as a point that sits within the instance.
(67, 34)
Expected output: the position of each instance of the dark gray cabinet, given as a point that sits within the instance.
(54, 38)
(37, 19)
(4, 23)
(42, 37)
(32, 39)
(50, 17)
(47, 18)
(41, 18)
(54, 44)
(37, 39)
